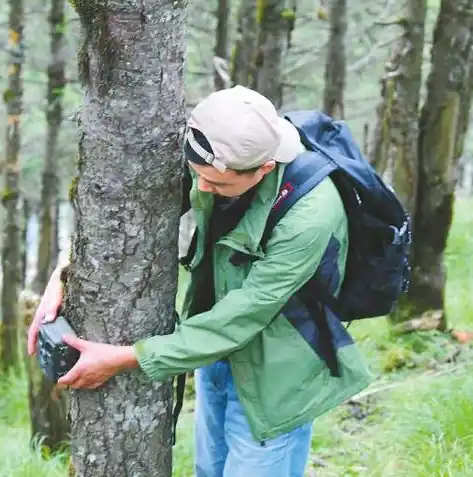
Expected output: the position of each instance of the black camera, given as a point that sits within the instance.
(55, 357)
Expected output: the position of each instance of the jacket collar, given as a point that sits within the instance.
(247, 235)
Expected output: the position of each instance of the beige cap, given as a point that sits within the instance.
(244, 130)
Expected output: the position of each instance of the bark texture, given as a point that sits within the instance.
(395, 153)
(123, 275)
(443, 124)
(221, 38)
(335, 65)
(11, 253)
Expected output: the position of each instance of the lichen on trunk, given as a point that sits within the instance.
(123, 275)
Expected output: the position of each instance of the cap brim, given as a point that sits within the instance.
(290, 146)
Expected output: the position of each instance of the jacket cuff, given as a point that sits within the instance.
(147, 359)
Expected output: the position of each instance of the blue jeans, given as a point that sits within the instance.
(224, 445)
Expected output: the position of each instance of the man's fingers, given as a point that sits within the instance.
(75, 342)
(34, 328)
(32, 339)
(70, 378)
(49, 317)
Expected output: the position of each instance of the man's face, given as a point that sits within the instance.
(229, 183)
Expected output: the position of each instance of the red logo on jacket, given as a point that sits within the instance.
(286, 189)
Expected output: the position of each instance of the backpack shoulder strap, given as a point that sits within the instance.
(300, 177)
(186, 186)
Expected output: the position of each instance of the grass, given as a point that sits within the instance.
(422, 426)
(17, 458)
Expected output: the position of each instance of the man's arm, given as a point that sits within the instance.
(291, 259)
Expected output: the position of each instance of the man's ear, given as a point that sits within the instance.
(267, 167)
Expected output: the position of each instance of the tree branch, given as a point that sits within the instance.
(362, 62)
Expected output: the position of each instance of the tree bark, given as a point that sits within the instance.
(221, 40)
(123, 276)
(443, 123)
(242, 61)
(395, 154)
(267, 78)
(335, 66)
(11, 252)
(55, 92)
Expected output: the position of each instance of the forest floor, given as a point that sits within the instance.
(416, 420)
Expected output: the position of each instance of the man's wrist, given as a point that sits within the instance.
(127, 358)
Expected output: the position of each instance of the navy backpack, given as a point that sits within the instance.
(377, 270)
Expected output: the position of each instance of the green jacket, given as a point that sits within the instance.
(280, 379)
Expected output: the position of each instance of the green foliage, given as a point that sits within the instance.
(8, 96)
(288, 14)
(8, 194)
(61, 28)
(17, 457)
(396, 357)
(260, 7)
(422, 428)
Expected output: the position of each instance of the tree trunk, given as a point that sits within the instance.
(12, 96)
(335, 66)
(242, 61)
(56, 248)
(25, 217)
(123, 276)
(267, 78)
(443, 124)
(55, 92)
(395, 155)
(221, 40)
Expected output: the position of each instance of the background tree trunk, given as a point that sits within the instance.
(395, 155)
(55, 92)
(25, 217)
(335, 66)
(11, 252)
(267, 79)
(123, 273)
(221, 38)
(242, 61)
(48, 404)
(443, 123)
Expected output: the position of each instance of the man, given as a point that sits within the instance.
(260, 380)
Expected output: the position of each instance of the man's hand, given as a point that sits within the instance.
(98, 363)
(47, 309)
